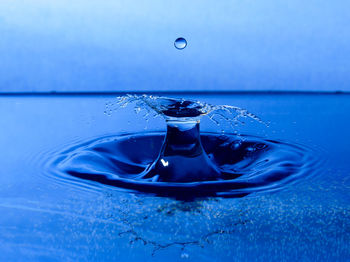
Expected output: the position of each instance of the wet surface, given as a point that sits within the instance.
(46, 217)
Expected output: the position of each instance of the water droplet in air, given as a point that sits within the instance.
(180, 43)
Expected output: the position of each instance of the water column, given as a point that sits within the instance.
(182, 157)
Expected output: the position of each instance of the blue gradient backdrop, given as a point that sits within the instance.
(124, 45)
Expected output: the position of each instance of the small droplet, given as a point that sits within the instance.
(180, 43)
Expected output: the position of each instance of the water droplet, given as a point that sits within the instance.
(180, 43)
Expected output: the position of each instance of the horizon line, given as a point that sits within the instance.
(224, 92)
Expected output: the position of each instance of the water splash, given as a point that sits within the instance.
(166, 107)
(249, 166)
(183, 163)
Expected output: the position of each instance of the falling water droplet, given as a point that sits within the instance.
(180, 43)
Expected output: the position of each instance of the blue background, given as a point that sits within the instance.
(128, 45)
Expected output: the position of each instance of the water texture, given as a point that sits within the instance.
(247, 166)
(182, 163)
(50, 215)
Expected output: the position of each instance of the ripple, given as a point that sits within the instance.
(249, 164)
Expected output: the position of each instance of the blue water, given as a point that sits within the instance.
(47, 217)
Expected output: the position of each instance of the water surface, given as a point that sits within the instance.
(49, 218)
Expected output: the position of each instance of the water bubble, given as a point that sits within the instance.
(180, 43)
